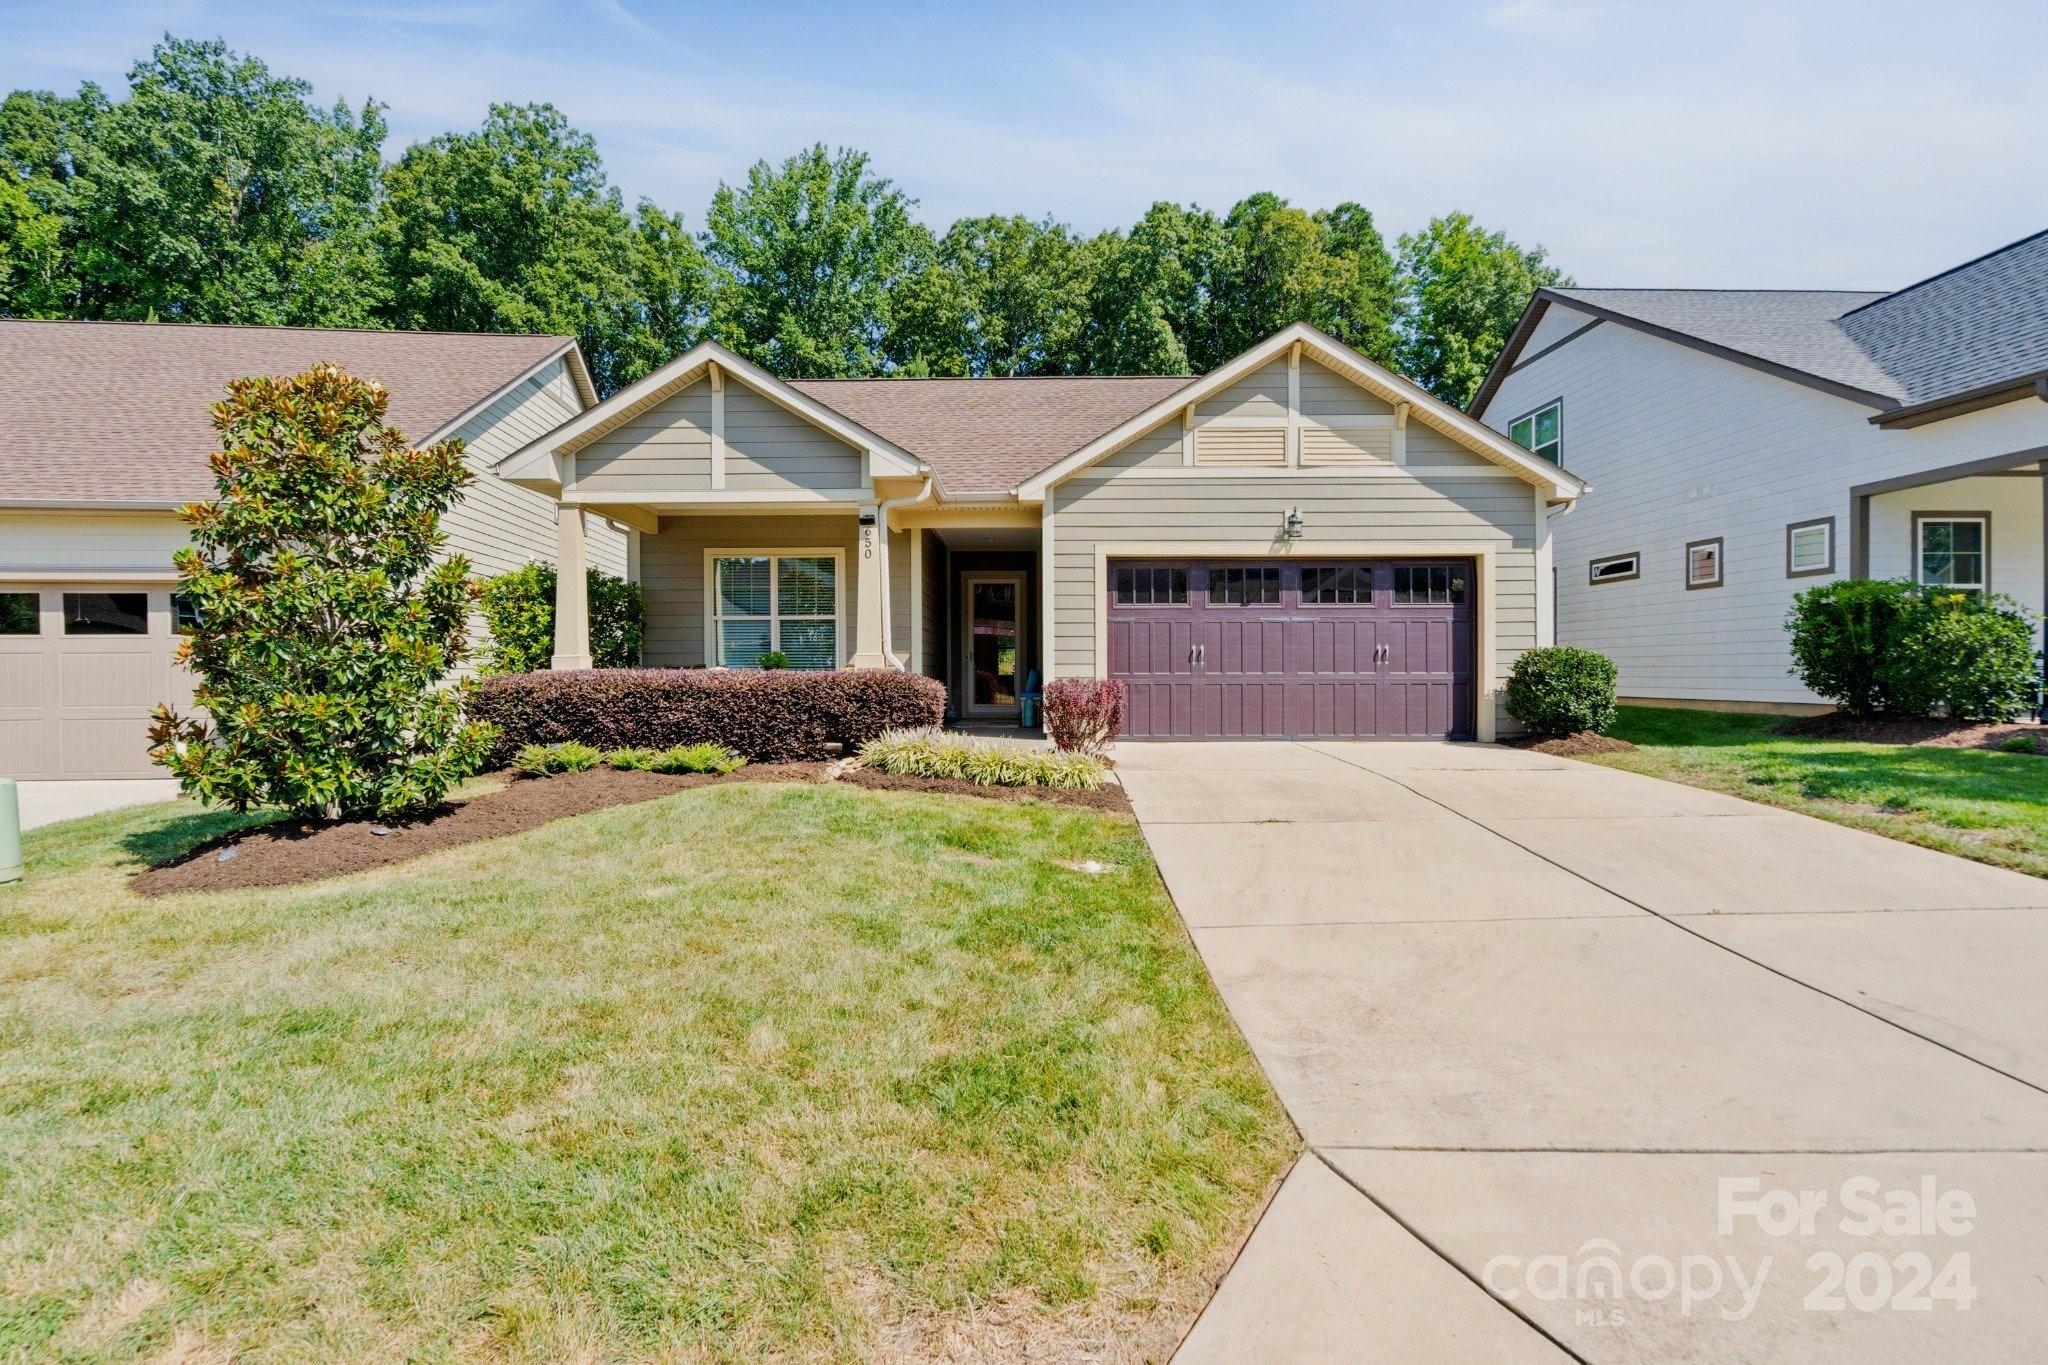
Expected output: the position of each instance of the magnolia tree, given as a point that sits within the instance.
(327, 623)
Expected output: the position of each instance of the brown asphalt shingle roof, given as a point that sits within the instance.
(989, 435)
(119, 412)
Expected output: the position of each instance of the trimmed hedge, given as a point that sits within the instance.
(1558, 690)
(765, 716)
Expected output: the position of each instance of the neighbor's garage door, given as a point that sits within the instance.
(81, 667)
(1260, 649)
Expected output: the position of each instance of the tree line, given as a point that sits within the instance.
(218, 191)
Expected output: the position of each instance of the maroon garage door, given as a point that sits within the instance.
(1259, 649)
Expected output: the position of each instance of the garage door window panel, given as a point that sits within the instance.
(1429, 585)
(1340, 585)
(20, 613)
(106, 613)
(1256, 585)
(1150, 585)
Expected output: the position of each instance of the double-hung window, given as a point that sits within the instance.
(776, 604)
(1951, 551)
(1541, 432)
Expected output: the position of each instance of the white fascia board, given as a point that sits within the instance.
(1480, 439)
(534, 463)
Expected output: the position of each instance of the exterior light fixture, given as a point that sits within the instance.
(1290, 525)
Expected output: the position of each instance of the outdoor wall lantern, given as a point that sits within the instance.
(1290, 525)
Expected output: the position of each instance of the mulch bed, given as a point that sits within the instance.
(1940, 734)
(290, 852)
(1570, 746)
(1104, 798)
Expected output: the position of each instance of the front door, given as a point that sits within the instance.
(992, 637)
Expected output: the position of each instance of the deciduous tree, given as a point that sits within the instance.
(1463, 289)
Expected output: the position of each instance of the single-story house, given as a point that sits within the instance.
(105, 433)
(1748, 444)
(1298, 543)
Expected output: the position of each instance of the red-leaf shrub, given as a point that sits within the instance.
(1083, 715)
(767, 716)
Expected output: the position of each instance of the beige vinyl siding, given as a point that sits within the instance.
(770, 449)
(1325, 393)
(672, 571)
(1158, 447)
(500, 526)
(668, 446)
(1431, 449)
(1262, 393)
(901, 609)
(933, 663)
(1496, 513)
(47, 543)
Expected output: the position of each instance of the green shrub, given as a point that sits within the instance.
(545, 760)
(774, 658)
(2020, 744)
(1970, 654)
(697, 758)
(520, 607)
(1559, 690)
(934, 753)
(329, 618)
(630, 760)
(1841, 638)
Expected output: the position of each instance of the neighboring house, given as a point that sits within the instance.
(1747, 444)
(105, 433)
(1299, 543)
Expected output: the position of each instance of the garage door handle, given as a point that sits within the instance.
(1201, 654)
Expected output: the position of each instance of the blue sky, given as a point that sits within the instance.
(1731, 144)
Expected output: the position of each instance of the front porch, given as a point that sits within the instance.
(954, 593)
(1975, 527)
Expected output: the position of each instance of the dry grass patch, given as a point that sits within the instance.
(749, 1070)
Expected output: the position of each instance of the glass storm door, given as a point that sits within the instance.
(994, 638)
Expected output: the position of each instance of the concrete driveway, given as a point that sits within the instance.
(1592, 1064)
(45, 803)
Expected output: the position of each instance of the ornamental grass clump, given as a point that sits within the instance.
(936, 754)
(328, 621)
(545, 760)
(697, 758)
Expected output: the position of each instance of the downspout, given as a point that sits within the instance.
(882, 526)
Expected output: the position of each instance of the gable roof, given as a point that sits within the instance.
(1367, 373)
(1976, 331)
(989, 435)
(534, 462)
(1981, 323)
(118, 413)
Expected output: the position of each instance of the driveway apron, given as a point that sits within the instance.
(1578, 1037)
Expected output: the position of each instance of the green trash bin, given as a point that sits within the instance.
(10, 832)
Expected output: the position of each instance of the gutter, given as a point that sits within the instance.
(1968, 400)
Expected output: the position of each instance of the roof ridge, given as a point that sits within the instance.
(291, 327)
(973, 378)
(1943, 274)
(1701, 289)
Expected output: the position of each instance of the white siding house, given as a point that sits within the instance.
(1686, 440)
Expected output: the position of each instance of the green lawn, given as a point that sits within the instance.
(749, 1070)
(1975, 802)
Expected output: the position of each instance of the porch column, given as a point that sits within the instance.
(2044, 583)
(870, 581)
(572, 592)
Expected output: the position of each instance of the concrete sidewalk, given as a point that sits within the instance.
(45, 803)
(1530, 1014)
